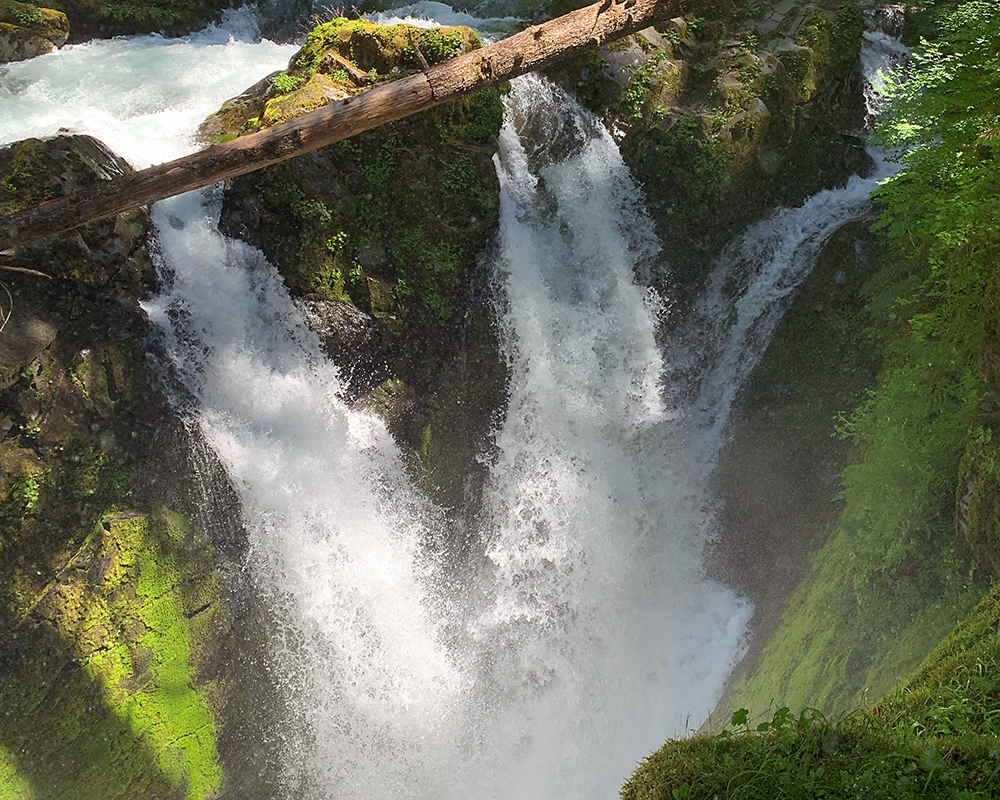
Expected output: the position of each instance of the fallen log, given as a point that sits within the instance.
(531, 49)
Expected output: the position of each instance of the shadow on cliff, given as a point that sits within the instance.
(61, 735)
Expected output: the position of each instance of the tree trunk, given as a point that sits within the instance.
(528, 50)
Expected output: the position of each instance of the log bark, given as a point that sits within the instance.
(529, 50)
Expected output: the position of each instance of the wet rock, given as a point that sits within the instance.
(378, 237)
(356, 341)
(27, 31)
(779, 473)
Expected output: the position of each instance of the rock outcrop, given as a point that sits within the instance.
(723, 116)
(99, 19)
(27, 31)
(111, 615)
(378, 238)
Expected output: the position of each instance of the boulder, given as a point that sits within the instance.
(106, 254)
(379, 236)
(27, 31)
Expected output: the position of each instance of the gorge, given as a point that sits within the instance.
(446, 441)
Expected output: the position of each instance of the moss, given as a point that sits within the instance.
(27, 31)
(105, 703)
(894, 575)
(107, 619)
(107, 253)
(297, 97)
(20, 13)
(652, 89)
(935, 736)
(390, 220)
(57, 476)
(340, 58)
(833, 44)
(978, 491)
(29, 176)
(681, 161)
(713, 117)
(978, 494)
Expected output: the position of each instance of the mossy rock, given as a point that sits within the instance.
(379, 235)
(719, 122)
(111, 621)
(934, 737)
(27, 31)
(977, 497)
(338, 59)
(100, 668)
(108, 253)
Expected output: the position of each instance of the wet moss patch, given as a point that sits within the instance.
(100, 688)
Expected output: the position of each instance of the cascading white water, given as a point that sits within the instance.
(584, 633)
(588, 635)
(723, 339)
(596, 598)
(142, 96)
(335, 528)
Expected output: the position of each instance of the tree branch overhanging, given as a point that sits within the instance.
(531, 49)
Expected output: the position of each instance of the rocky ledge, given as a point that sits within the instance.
(724, 116)
(27, 31)
(378, 239)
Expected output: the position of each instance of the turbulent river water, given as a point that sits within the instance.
(579, 632)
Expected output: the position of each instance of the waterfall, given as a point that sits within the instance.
(580, 632)
(601, 634)
(723, 339)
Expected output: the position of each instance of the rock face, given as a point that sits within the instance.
(27, 31)
(779, 473)
(110, 619)
(721, 119)
(378, 238)
(95, 19)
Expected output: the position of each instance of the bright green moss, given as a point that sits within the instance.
(14, 784)
(937, 736)
(125, 715)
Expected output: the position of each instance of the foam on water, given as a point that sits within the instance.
(143, 96)
(599, 633)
